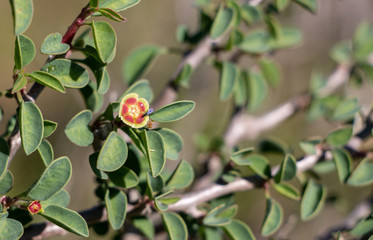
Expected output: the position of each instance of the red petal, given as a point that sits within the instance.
(139, 120)
(131, 101)
(129, 118)
(141, 106)
(124, 109)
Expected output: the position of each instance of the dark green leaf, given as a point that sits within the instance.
(259, 164)
(184, 75)
(161, 202)
(93, 3)
(142, 88)
(116, 205)
(4, 156)
(312, 200)
(22, 15)
(175, 226)
(6, 182)
(24, 51)
(340, 136)
(155, 152)
(343, 163)
(310, 5)
(273, 217)
(113, 153)
(155, 184)
(46, 152)
(362, 175)
(92, 99)
(287, 190)
(10, 229)
(20, 83)
(31, 126)
(238, 230)
(258, 90)
(49, 128)
(93, 163)
(78, 131)
(223, 21)
(62, 199)
(48, 80)
(117, 5)
(172, 141)
(220, 216)
(173, 111)
(273, 145)
(52, 45)
(105, 40)
(228, 75)
(53, 179)
(124, 177)
(346, 109)
(66, 219)
(288, 169)
(182, 177)
(144, 225)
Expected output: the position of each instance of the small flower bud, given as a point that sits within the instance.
(35, 207)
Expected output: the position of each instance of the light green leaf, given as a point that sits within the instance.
(69, 73)
(273, 217)
(175, 226)
(139, 61)
(48, 80)
(223, 21)
(49, 128)
(20, 83)
(240, 89)
(62, 199)
(24, 51)
(113, 153)
(113, 15)
(53, 179)
(172, 141)
(116, 205)
(220, 216)
(182, 177)
(346, 109)
(240, 157)
(31, 126)
(228, 76)
(343, 163)
(22, 15)
(255, 42)
(124, 177)
(309, 146)
(281, 5)
(66, 219)
(142, 88)
(287, 37)
(312, 201)
(238, 230)
(105, 40)
(362, 175)
(10, 229)
(52, 45)
(103, 80)
(288, 169)
(78, 131)
(340, 136)
(173, 111)
(144, 225)
(4, 156)
(341, 52)
(46, 152)
(287, 190)
(270, 71)
(155, 152)
(184, 75)
(310, 5)
(258, 90)
(117, 5)
(362, 42)
(250, 14)
(6, 182)
(363, 228)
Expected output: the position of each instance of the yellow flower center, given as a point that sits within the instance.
(134, 111)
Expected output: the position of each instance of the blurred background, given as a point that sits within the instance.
(155, 22)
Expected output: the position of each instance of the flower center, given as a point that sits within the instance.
(134, 111)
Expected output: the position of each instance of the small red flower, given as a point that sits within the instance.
(35, 207)
(133, 110)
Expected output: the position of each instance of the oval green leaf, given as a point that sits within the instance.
(103, 80)
(124, 177)
(49, 128)
(257, 163)
(182, 177)
(116, 205)
(31, 126)
(20, 83)
(287, 190)
(69, 73)
(52, 45)
(255, 42)
(238, 230)
(173, 111)
(313, 200)
(10, 229)
(220, 216)
(155, 184)
(343, 163)
(258, 90)
(144, 225)
(156, 152)
(346, 109)
(117, 5)
(142, 88)
(362, 175)
(22, 15)
(223, 21)
(113, 153)
(24, 51)
(6, 182)
(273, 217)
(46, 152)
(172, 141)
(48, 80)
(78, 131)
(339, 137)
(105, 40)
(62, 199)
(239, 157)
(270, 71)
(4, 156)
(228, 76)
(53, 179)
(175, 226)
(66, 219)
(288, 169)
(113, 15)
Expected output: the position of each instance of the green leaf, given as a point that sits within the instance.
(238, 230)
(107, 12)
(362, 175)
(46, 152)
(223, 21)
(273, 217)
(142, 88)
(78, 130)
(258, 90)
(69, 73)
(273, 145)
(346, 109)
(103, 80)
(309, 146)
(240, 89)
(116, 205)
(212, 233)
(173, 111)
(270, 71)
(287, 190)
(93, 163)
(52, 45)
(24, 51)
(281, 5)
(62, 199)
(22, 15)
(117, 5)
(182, 177)
(66, 219)
(362, 42)
(155, 152)
(255, 42)
(172, 141)
(4, 156)
(240, 157)
(124, 177)
(220, 216)
(144, 225)
(312, 201)
(31, 126)
(363, 228)
(288, 169)
(343, 163)
(48, 80)
(175, 226)
(310, 5)
(92, 99)
(53, 179)
(6, 182)
(10, 229)
(161, 203)
(155, 184)
(257, 163)
(228, 75)
(139, 61)
(184, 75)
(49, 128)
(105, 40)
(250, 14)
(340, 136)
(341, 52)
(287, 37)
(113, 153)
(93, 3)
(20, 83)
